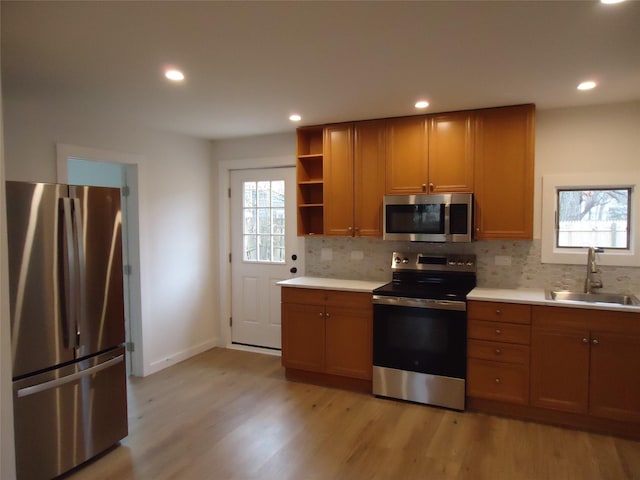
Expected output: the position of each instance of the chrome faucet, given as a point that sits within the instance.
(590, 283)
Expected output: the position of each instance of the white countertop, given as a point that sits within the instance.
(331, 284)
(535, 296)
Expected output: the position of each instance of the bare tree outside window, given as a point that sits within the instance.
(594, 217)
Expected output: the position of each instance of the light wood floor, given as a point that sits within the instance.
(229, 414)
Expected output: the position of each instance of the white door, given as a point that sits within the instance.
(264, 250)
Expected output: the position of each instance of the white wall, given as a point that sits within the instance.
(176, 209)
(601, 138)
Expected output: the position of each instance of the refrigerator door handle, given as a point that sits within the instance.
(41, 387)
(81, 270)
(70, 289)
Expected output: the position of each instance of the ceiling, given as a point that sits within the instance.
(249, 65)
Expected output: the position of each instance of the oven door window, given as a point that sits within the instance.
(424, 218)
(420, 340)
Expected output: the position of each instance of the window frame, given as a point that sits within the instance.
(585, 181)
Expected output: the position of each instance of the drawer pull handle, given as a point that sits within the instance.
(498, 331)
(498, 351)
(498, 381)
(498, 312)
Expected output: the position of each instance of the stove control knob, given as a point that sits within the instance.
(460, 264)
(405, 260)
(452, 262)
(469, 263)
(398, 259)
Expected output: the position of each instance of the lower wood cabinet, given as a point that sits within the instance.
(571, 366)
(586, 361)
(328, 333)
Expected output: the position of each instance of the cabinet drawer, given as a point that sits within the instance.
(505, 382)
(304, 296)
(498, 352)
(498, 332)
(316, 296)
(500, 312)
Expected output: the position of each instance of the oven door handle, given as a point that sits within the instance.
(420, 303)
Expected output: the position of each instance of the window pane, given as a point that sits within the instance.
(277, 221)
(264, 248)
(249, 198)
(277, 193)
(264, 194)
(250, 250)
(278, 248)
(264, 220)
(250, 217)
(593, 218)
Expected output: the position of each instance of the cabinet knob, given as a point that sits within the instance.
(431, 187)
(321, 314)
(585, 340)
(498, 351)
(326, 315)
(498, 331)
(498, 380)
(350, 228)
(424, 187)
(595, 341)
(498, 312)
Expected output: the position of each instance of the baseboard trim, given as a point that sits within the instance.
(180, 356)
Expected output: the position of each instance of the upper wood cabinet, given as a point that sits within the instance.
(430, 154)
(451, 152)
(406, 155)
(338, 180)
(369, 177)
(354, 179)
(503, 178)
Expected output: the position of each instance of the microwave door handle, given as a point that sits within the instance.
(447, 220)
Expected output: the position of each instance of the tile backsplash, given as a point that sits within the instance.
(501, 264)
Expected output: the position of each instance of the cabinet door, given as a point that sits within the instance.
(349, 342)
(615, 376)
(369, 175)
(338, 180)
(303, 336)
(560, 369)
(503, 179)
(450, 153)
(406, 159)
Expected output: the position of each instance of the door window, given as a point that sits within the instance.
(263, 218)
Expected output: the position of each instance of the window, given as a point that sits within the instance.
(591, 210)
(263, 221)
(593, 218)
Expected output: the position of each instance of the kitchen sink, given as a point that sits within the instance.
(620, 299)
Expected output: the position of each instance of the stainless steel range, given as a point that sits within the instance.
(420, 329)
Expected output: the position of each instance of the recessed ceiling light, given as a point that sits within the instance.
(174, 75)
(295, 117)
(610, 2)
(422, 104)
(587, 85)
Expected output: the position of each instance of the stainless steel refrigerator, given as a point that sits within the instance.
(67, 324)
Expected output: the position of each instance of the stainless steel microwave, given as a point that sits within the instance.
(429, 218)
